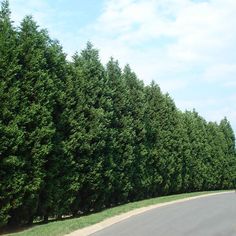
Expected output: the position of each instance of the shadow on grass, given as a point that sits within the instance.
(18, 229)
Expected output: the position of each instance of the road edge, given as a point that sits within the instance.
(115, 219)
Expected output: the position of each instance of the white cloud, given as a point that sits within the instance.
(165, 38)
(225, 73)
(230, 84)
(40, 10)
(205, 32)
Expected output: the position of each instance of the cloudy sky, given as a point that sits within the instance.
(187, 46)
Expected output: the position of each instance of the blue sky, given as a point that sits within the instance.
(187, 46)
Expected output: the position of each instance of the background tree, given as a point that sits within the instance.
(86, 141)
(58, 190)
(162, 140)
(154, 102)
(136, 108)
(34, 117)
(118, 159)
(11, 137)
(216, 151)
(228, 162)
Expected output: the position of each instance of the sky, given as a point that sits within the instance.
(188, 47)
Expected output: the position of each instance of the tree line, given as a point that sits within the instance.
(77, 136)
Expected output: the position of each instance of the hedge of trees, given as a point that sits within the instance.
(77, 136)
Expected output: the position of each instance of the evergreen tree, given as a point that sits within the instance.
(119, 150)
(34, 118)
(171, 141)
(86, 141)
(216, 143)
(185, 152)
(136, 108)
(154, 103)
(198, 139)
(163, 129)
(11, 137)
(59, 187)
(72, 125)
(228, 163)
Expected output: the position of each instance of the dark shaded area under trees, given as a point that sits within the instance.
(78, 136)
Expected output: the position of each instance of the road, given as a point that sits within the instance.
(208, 216)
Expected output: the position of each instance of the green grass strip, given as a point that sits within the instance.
(60, 228)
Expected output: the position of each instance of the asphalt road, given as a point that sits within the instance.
(208, 216)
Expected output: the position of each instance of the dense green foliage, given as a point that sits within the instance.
(78, 136)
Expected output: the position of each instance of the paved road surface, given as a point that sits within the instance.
(209, 216)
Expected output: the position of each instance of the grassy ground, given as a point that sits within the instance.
(59, 228)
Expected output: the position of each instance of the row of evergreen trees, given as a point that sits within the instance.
(77, 137)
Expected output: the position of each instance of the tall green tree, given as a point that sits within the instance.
(162, 125)
(228, 163)
(136, 107)
(197, 132)
(184, 151)
(59, 187)
(171, 142)
(217, 144)
(86, 140)
(118, 157)
(34, 117)
(11, 137)
(154, 103)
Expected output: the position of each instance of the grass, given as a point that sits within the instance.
(60, 228)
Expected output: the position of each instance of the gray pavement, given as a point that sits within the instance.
(209, 216)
